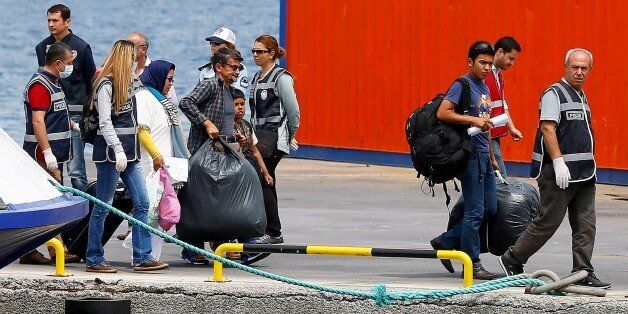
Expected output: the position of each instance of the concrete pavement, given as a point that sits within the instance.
(360, 205)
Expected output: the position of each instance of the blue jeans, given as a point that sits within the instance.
(76, 165)
(497, 150)
(480, 205)
(105, 188)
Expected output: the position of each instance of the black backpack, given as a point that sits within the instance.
(89, 121)
(439, 150)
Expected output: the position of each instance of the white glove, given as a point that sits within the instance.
(121, 161)
(294, 145)
(76, 127)
(51, 160)
(562, 173)
(499, 177)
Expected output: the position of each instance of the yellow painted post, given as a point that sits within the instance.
(466, 262)
(59, 257)
(339, 250)
(222, 252)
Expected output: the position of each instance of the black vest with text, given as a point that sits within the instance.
(57, 119)
(574, 134)
(125, 125)
(266, 109)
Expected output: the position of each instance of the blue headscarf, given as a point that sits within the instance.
(155, 74)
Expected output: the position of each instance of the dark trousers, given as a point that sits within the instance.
(273, 224)
(480, 205)
(578, 199)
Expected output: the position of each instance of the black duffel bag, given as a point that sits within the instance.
(222, 199)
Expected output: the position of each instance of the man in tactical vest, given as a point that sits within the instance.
(48, 126)
(564, 166)
(76, 85)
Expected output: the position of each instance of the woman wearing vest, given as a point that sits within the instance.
(116, 153)
(275, 113)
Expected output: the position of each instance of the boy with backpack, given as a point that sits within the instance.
(477, 178)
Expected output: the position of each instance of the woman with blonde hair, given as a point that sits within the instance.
(116, 153)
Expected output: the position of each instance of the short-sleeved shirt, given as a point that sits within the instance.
(480, 106)
(38, 97)
(228, 116)
(550, 106)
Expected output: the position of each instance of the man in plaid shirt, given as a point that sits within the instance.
(205, 106)
(210, 109)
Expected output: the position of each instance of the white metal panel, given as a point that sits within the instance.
(22, 180)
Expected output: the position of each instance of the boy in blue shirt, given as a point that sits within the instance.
(478, 178)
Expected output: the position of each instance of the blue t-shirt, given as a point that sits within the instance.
(480, 106)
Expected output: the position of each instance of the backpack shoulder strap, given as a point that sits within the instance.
(465, 96)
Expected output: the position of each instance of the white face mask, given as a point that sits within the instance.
(67, 72)
(134, 67)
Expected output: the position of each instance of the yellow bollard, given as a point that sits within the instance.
(466, 262)
(222, 252)
(59, 258)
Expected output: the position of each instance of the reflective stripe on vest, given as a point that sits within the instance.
(567, 157)
(496, 92)
(577, 149)
(121, 131)
(50, 136)
(266, 107)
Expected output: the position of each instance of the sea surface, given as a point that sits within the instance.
(176, 31)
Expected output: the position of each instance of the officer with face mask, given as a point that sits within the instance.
(48, 137)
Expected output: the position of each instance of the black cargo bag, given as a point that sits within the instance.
(222, 199)
(517, 204)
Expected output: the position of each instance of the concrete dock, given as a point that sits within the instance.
(329, 203)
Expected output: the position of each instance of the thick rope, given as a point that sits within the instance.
(380, 295)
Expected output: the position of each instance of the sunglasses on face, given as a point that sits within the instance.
(233, 66)
(259, 51)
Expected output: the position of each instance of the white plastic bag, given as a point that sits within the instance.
(156, 242)
(177, 169)
(155, 190)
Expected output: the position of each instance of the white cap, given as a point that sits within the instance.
(222, 35)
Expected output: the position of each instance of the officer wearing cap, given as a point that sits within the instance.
(224, 37)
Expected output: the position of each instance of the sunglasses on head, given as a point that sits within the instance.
(259, 51)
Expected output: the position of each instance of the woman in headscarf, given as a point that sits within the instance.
(158, 120)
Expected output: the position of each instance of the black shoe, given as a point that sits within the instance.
(268, 239)
(592, 281)
(250, 258)
(446, 262)
(482, 274)
(509, 268)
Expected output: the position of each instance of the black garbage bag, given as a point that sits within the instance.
(222, 199)
(517, 204)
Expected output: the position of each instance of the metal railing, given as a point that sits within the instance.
(342, 250)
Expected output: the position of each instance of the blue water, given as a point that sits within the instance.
(176, 30)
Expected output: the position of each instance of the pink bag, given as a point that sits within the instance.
(169, 207)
